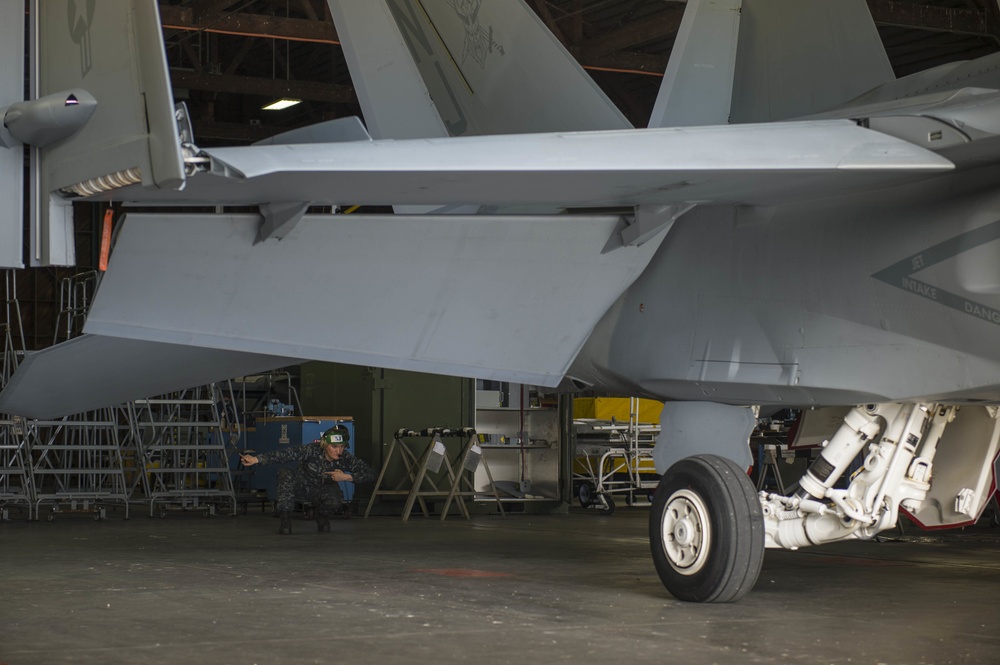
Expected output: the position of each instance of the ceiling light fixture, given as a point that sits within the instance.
(281, 104)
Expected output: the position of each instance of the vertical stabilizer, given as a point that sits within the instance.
(798, 57)
(394, 100)
(114, 51)
(698, 83)
(489, 67)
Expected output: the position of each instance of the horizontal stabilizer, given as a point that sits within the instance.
(763, 164)
(92, 371)
(478, 296)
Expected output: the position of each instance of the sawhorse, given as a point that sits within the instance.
(431, 459)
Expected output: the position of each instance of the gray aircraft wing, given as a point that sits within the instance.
(721, 164)
(508, 297)
(54, 382)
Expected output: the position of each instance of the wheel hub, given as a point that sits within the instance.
(686, 532)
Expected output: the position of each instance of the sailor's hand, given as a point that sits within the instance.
(339, 476)
(248, 460)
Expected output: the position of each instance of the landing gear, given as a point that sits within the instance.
(706, 530)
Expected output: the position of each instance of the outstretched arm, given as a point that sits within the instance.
(287, 454)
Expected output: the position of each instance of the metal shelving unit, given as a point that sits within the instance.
(520, 440)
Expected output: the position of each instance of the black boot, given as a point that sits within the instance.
(286, 524)
(322, 523)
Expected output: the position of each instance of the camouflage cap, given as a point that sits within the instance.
(338, 435)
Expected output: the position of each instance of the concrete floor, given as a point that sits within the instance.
(573, 588)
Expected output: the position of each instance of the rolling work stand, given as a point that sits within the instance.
(430, 456)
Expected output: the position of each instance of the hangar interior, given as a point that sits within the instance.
(546, 568)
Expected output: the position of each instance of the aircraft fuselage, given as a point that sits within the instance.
(792, 305)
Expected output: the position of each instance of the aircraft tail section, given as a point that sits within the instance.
(698, 83)
(799, 57)
(114, 52)
(486, 67)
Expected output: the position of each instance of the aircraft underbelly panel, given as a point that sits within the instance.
(508, 298)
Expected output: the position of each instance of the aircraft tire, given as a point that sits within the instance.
(706, 530)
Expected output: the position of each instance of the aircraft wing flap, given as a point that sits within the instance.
(489, 297)
(766, 163)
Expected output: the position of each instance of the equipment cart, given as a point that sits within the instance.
(613, 458)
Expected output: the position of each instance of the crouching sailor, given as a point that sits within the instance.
(323, 465)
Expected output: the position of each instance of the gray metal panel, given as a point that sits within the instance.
(747, 163)
(698, 84)
(11, 159)
(489, 297)
(798, 57)
(490, 67)
(91, 371)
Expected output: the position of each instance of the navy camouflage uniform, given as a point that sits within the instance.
(307, 481)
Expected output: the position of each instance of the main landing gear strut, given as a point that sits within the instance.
(708, 527)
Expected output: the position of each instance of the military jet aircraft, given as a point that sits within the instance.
(795, 228)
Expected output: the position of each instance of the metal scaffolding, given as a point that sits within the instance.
(180, 448)
(16, 486)
(77, 463)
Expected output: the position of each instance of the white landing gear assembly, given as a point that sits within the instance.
(708, 527)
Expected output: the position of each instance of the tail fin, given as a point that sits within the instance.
(115, 52)
(698, 84)
(799, 57)
(488, 67)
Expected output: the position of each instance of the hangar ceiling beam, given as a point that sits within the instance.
(928, 17)
(265, 87)
(249, 25)
(658, 26)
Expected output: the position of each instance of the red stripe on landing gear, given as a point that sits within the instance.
(461, 572)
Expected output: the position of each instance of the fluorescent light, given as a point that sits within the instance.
(281, 104)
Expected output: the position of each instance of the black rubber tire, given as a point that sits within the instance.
(608, 508)
(726, 558)
(586, 494)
